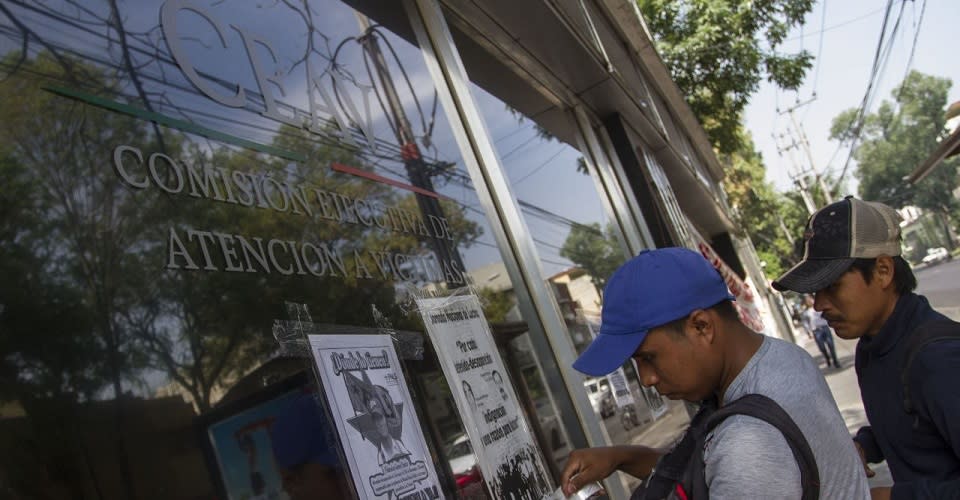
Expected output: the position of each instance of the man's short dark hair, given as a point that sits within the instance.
(724, 308)
(903, 279)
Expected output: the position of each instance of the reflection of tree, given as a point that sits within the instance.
(496, 305)
(89, 312)
(596, 252)
(87, 305)
(79, 239)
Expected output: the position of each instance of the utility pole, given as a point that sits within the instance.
(804, 171)
(417, 170)
(806, 147)
(798, 178)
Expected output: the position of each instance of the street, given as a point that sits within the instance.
(941, 285)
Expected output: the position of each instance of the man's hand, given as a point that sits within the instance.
(863, 459)
(595, 464)
(588, 465)
(882, 493)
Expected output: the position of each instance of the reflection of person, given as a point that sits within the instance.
(388, 448)
(248, 446)
(468, 393)
(814, 322)
(307, 460)
(498, 379)
(864, 288)
(671, 311)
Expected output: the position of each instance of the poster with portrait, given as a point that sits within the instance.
(372, 409)
(508, 456)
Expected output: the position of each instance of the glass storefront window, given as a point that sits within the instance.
(174, 176)
(578, 249)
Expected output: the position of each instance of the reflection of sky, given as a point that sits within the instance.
(233, 461)
(543, 172)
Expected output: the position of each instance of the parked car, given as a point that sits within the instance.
(601, 397)
(936, 255)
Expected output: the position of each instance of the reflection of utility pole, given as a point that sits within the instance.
(806, 148)
(417, 170)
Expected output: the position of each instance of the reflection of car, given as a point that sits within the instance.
(935, 255)
(463, 462)
(460, 455)
(601, 398)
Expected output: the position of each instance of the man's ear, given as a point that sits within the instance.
(883, 271)
(703, 325)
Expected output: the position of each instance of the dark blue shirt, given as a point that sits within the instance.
(924, 461)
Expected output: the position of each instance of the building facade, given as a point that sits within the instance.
(188, 186)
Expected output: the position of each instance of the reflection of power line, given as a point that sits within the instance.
(538, 167)
(418, 171)
(491, 245)
(554, 216)
(517, 148)
(549, 245)
(391, 152)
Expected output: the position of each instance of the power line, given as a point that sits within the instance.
(879, 62)
(913, 48)
(816, 71)
(835, 26)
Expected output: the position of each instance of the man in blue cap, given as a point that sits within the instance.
(670, 310)
(305, 455)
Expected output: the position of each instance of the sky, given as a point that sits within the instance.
(840, 75)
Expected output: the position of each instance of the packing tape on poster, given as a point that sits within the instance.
(292, 334)
(413, 308)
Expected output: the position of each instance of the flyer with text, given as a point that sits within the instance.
(509, 458)
(370, 403)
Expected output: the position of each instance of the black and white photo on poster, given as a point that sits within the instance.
(371, 405)
(509, 459)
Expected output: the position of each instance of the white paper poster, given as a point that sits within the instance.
(509, 459)
(375, 419)
(621, 390)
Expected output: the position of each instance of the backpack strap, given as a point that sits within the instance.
(671, 468)
(767, 410)
(922, 336)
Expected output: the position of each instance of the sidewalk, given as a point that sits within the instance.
(843, 385)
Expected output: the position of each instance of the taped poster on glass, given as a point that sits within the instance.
(507, 454)
(370, 403)
(621, 389)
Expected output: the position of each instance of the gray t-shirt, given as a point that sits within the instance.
(748, 458)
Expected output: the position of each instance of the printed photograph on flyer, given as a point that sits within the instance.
(509, 459)
(374, 416)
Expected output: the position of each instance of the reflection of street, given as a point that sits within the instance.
(661, 433)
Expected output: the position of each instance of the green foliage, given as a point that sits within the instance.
(718, 52)
(771, 219)
(899, 136)
(594, 250)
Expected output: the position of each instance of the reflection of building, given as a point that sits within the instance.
(576, 290)
(249, 156)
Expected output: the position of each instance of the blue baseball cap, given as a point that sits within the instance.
(650, 290)
(300, 433)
